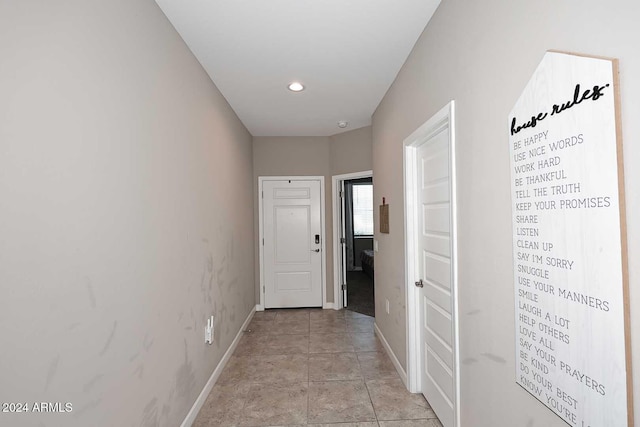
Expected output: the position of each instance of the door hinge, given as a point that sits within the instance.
(341, 194)
(343, 240)
(262, 194)
(263, 289)
(263, 241)
(344, 286)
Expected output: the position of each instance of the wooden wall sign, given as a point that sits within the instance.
(569, 242)
(384, 217)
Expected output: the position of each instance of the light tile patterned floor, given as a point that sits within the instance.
(314, 368)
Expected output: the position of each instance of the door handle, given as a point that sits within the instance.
(420, 284)
(315, 250)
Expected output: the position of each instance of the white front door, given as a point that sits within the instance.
(293, 243)
(436, 275)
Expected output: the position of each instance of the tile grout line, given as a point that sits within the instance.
(364, 380)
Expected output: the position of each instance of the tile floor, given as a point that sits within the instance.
(312, 367)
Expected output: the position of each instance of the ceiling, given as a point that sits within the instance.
(346, 53)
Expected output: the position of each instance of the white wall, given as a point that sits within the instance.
(125, 215)
(481, 54)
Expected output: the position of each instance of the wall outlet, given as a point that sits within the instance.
(209, 331)
(386, 306)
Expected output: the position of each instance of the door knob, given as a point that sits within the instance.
(420, 284)
(315, 250)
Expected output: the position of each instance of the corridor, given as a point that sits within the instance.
(312, 367)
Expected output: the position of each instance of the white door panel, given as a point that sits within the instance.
(435, 218)
(437, 269)
(439, 245)
(434, 268)
(435, 165)
(291, 239)
(437, 192)
(440, 348)
(437, 294)
(439, 323)
(291, 193)
(294, 281)
(292, 269)
(439, 374)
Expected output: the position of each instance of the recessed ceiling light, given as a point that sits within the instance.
(295, 87)
(343, 124)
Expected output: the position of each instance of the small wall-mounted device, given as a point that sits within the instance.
(208, 331)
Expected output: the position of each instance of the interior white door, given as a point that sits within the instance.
(435, 270)
(293, 243)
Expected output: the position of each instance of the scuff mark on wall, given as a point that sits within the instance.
(166, 409)
(139, 371)
(469, 361)
(185, 377)
(147, 342)
(89, 385)
(474, 312)
(86, 407)
(219, 278)
(150, 414)
(202, 280)
(134, 357)
(232, 317)
(494, 358)
(110, 339)
(92, 297)
(210, 262)
(51, 372)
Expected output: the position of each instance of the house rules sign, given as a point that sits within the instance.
(569, 242)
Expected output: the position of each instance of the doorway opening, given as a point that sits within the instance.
(353, 237)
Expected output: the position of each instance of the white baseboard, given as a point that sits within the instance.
(392, 356)
(259, 307)
(193, 413)
(328, 306)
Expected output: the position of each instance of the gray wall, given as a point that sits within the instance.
(351, 151)
(481, 54)
(125, 198)
(312, 156)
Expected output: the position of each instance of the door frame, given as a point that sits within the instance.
(443, 118)
(336, 182)
(323, 233)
